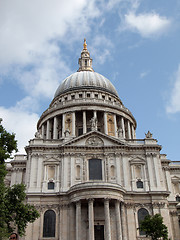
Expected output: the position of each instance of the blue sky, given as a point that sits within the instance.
(134, 43)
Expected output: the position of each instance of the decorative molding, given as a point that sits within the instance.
(94, 141)
(174, 213)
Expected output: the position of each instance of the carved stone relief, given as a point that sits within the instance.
(95, 142)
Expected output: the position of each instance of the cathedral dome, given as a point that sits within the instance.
(86, 80)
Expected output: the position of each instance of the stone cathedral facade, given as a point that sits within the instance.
(86, 172)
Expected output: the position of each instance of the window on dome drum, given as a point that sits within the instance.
(178, 198)
(139, 184)
(88, 95)
(80, 95)
(80, 131)
(88, 129)
(49, 224)
(103, 97)
(72, 96)
(109, 99)
(96, 95)
(50, 185)
(142, 213)
(95, 169)
(65, 99)
(85, 62)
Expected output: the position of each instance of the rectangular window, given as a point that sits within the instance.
(95, 169)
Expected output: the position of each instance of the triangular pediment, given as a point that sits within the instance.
(95, 139)
(175, 179)
(51, 160)
(137, 160)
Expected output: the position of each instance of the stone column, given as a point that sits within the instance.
(107, 220)
(168, 179)
(63, 124)
(55, 130)
(42, 131)
(84, 122)
(72, 222)
(78, 220)
(129, 129)
(48, 130)
(124, 225)
(91, 219)
(145, 179)
(133, 131)
(123, 127)
(150, 168)
(105, 123)
(118, 220)
(73, 124)
(95, 113)
(115, 126)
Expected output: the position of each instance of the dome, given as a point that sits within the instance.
(86, 80)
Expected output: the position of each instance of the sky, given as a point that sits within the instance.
(133, 43)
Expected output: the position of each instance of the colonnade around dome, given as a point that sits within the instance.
(75, 116)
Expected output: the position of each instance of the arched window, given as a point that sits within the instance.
(50, 185)
(139, 184)
(95, 169)
(49, 224)
(178, 198)
(142, 213)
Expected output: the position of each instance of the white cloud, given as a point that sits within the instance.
(22, 123)
(144, 74)
(147, 24)
(100, 50)
(30, 47)
(30, 25)
(30, 36)
(173, 105)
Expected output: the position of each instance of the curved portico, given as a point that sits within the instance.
(100, 200)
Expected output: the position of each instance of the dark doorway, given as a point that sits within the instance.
(99, 232)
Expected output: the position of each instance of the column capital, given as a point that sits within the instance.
(78, 203)
(90, 200)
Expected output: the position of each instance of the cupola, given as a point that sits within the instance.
(85, 62)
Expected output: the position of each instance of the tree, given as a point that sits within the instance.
(14, 212)
(153, 226)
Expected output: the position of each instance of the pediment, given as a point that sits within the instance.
(51, 160)
(137, 160)
(175, 179)
(95, 139)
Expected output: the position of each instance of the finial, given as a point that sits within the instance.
(85, 44)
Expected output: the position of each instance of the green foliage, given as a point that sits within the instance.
(14, 212)
(153, 226)
(8, 144)
(17, 212)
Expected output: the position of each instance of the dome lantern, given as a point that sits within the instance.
(85, 62)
